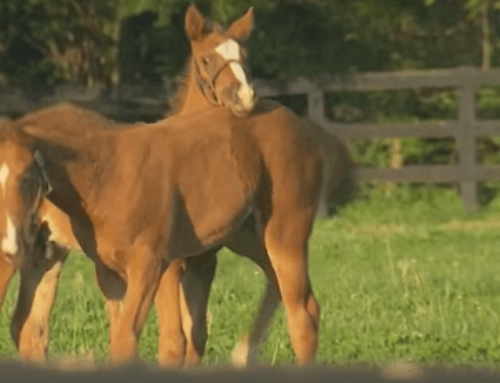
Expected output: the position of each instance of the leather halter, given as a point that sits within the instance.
(208, 86)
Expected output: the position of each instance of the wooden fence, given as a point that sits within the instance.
(149, 103)
(465, 130)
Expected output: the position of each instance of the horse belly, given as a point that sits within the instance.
(216, 209)
(216, 196)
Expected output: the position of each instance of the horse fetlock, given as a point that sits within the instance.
(123, 347)
(304, 336)
(171, 351)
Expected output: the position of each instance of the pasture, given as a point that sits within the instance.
(410, 278)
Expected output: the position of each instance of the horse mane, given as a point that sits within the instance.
(177, 100)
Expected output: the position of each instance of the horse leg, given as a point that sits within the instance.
(7, 270)
(286, 237)
(248, 243)
(30, 323)
(171, 340)
(246, 351)
(196, 282)
(143, 275)
(113, 288)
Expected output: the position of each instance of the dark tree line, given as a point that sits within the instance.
(92, 42)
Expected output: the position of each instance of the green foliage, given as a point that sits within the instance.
(143, 41)
(79, 40)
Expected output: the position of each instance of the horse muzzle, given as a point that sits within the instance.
(243, 101)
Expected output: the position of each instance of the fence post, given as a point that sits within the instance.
(316, 105)
(466, 141)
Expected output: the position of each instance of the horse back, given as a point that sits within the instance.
(291, 155)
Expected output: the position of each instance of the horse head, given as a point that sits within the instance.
(23, 186)
(219, 60)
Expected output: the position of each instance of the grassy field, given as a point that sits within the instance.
(407, 278)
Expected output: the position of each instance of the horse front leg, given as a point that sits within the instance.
(7, 270)
(37, 292)
(171, 340)
(248, 243)
(143, 271)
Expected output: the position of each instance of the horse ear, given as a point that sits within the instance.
(241, 29)
(194, 23)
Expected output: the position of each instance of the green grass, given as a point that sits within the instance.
(407, 278)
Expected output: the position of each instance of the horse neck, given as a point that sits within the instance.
(192, 99)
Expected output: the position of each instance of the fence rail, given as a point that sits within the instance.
(465, 130)
(149, 103)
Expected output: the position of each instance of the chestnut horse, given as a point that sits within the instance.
(224, 83)
(199, 271)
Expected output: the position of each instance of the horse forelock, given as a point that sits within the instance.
(215, 27)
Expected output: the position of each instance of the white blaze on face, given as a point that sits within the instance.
(4, 174)
(230, 50)
(9, 240)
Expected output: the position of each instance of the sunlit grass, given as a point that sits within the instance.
(407, 278)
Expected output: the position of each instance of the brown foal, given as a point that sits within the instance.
(205, 76)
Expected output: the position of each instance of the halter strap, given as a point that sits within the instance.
(208, 87)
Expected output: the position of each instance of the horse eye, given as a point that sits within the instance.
(28, 177)
(26, 180)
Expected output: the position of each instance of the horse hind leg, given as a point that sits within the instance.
(286, 237)
(247, 349)
(181, 303)
(248, 243)
(196, 283)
